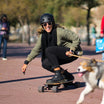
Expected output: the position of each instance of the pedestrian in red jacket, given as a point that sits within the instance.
(102, 33)
(102, 27)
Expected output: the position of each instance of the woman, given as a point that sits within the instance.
(4, 34)
(93, 32)
(54, 43)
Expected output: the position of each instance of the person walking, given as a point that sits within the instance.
(4, 34)
(55, 44)
(93, 32)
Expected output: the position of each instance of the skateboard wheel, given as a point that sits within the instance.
(41, 89)
(49, 87)
(66, 85)
(77, 84)
(55, 89)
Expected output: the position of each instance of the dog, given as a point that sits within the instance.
(93, 75)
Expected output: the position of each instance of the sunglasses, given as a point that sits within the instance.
(45, 24)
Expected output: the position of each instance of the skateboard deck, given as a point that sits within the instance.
(60, 83)
(55, 86)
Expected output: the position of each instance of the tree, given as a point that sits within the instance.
(86, 5)
(55, 7)
(28, 11)
(76, 17)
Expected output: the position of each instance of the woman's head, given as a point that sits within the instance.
(4, 18)
(47, 22)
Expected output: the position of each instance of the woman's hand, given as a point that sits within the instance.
(24, 68)
(69, 53)
(4, 28)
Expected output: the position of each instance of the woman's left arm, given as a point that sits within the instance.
(71, 39)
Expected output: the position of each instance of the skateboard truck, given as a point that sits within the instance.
(48, 87)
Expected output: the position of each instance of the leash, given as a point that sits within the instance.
(84, 57)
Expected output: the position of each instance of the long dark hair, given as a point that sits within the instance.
(2, 16)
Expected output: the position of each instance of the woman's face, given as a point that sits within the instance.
(4, 19)
(47, 26)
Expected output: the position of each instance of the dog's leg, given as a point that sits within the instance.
(87, 90)
(103, 98)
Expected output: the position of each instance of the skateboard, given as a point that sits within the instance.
(55, 86)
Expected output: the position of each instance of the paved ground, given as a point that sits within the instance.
(16, 88)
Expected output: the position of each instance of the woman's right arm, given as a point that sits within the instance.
(35, 51)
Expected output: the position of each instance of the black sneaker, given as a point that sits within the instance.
(57, 78)
(68, 75)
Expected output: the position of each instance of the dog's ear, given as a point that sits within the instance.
(93, 62)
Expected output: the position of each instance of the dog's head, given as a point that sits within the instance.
(86, 66)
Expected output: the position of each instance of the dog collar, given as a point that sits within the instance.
(98, 81)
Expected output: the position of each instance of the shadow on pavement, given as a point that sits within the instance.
(90, 52)
(72, 87)
(19, 51)
(24, 79)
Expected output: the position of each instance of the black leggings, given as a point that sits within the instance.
(55, 56)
